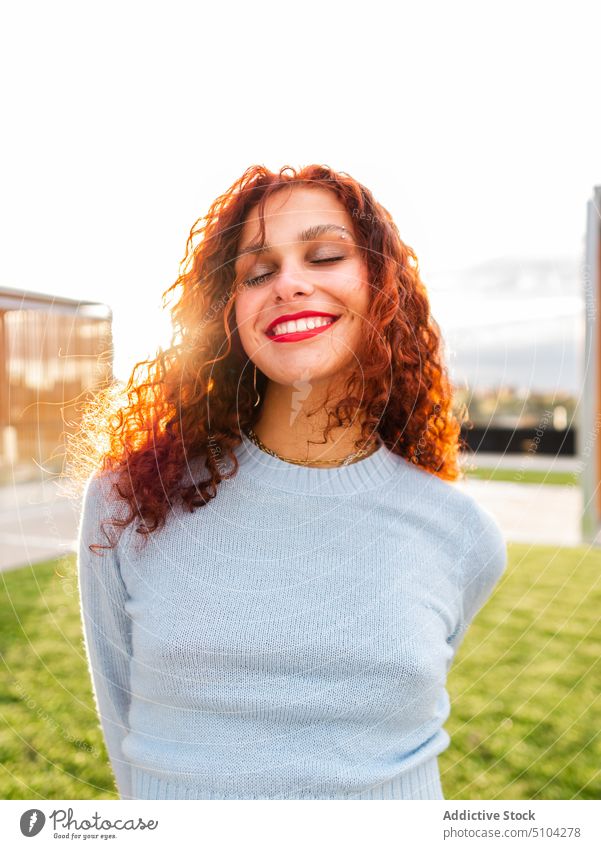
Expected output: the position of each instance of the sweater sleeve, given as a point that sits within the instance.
(106, 626)
(483, 564)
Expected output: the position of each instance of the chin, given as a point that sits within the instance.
(306, 374)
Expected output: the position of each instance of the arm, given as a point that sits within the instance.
(106, 627)
(483, 564)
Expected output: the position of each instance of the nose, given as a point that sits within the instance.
(291, 281)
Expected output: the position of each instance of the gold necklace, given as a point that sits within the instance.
(347, 461)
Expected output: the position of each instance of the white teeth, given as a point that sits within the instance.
(301, 324)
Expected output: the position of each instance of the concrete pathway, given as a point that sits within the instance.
(531, 513)
(39, 521)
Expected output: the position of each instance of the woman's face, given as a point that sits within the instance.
(310, 264)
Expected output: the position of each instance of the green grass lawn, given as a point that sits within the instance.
(526, 476)
(525, 688)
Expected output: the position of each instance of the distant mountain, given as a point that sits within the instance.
(541, 366)
(513, 277)
(512, 321)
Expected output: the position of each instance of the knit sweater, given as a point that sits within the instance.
(289, 640)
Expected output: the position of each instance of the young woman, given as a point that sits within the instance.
(275, 568)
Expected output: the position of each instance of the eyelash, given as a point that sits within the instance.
(253, 280)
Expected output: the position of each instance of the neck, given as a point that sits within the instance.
(292, 422)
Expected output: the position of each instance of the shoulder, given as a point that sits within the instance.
(100, 494)
(484, 531)
(101, 504)
(445, 500)
(456, 514)
(485, 554)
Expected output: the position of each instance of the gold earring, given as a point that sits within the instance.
(255, 386)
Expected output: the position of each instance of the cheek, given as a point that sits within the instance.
(355, 292)
(245, 309)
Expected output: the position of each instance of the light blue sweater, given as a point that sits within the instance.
(292, 638)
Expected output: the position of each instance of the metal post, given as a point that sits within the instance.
(589, 430)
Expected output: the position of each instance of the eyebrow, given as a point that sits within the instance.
(306, 236)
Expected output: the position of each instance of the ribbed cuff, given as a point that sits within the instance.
(420, 782)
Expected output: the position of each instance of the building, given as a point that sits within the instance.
(52, 352)
(589, 450)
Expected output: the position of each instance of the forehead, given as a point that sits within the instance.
(288, 211)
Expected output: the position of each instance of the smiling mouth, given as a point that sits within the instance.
(303, 328)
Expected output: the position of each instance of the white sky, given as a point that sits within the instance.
(477, 125)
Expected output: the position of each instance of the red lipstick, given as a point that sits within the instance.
(302, 334)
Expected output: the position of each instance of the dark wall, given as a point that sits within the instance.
(521, 440)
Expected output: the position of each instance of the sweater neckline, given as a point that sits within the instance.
(368, 473)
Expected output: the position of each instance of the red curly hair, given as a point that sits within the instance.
(149, 432)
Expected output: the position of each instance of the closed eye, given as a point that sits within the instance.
(253, 281)
(327, 259)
